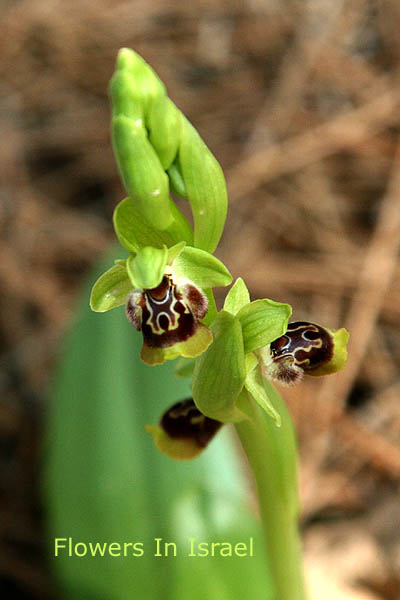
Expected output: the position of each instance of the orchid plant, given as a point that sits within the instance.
(166, 285)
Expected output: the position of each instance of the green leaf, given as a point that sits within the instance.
(111, 289)
(202, 268)
(133, 231)
(164, 122)
(99, 464)
(220, 372)
(147, 268)
(263, 321)
(255, 385)
(205, 187)
(237, 297)
(141, 171)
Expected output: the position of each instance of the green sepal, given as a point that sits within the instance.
(205, 187)
(147, 268)
(133, 231)
(141, 171)
(220, 372)
(175, 251)
(176, 181)
(184, 367)
(254, 384)
(164, 123)
(203, 269)
(120, 261)
(111, 289)
(263, 321)
(237, 297)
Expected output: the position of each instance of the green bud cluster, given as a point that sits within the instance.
(158, 150)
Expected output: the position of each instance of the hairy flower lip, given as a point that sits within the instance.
(305, 348)
(309, 345)
(184, 420)
(168, 316)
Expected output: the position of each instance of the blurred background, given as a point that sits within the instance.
(300, 103)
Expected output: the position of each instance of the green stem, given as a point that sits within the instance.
(272, 455)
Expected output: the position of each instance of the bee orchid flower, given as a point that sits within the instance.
(165, 294)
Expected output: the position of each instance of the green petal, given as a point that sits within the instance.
(205, 188)
(220, 372)
(147, 268)
(255, 386)
(111, 289)
(263, 321)
(175, 251)
(141, 171)
(237, 297)
(202, 268)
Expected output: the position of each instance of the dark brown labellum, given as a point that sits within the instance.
(184, 420)
(309, 345)
(302, 349)
(167, 314)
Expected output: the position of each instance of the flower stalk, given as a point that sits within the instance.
(272, 456)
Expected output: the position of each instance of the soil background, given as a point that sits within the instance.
(300, 103)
